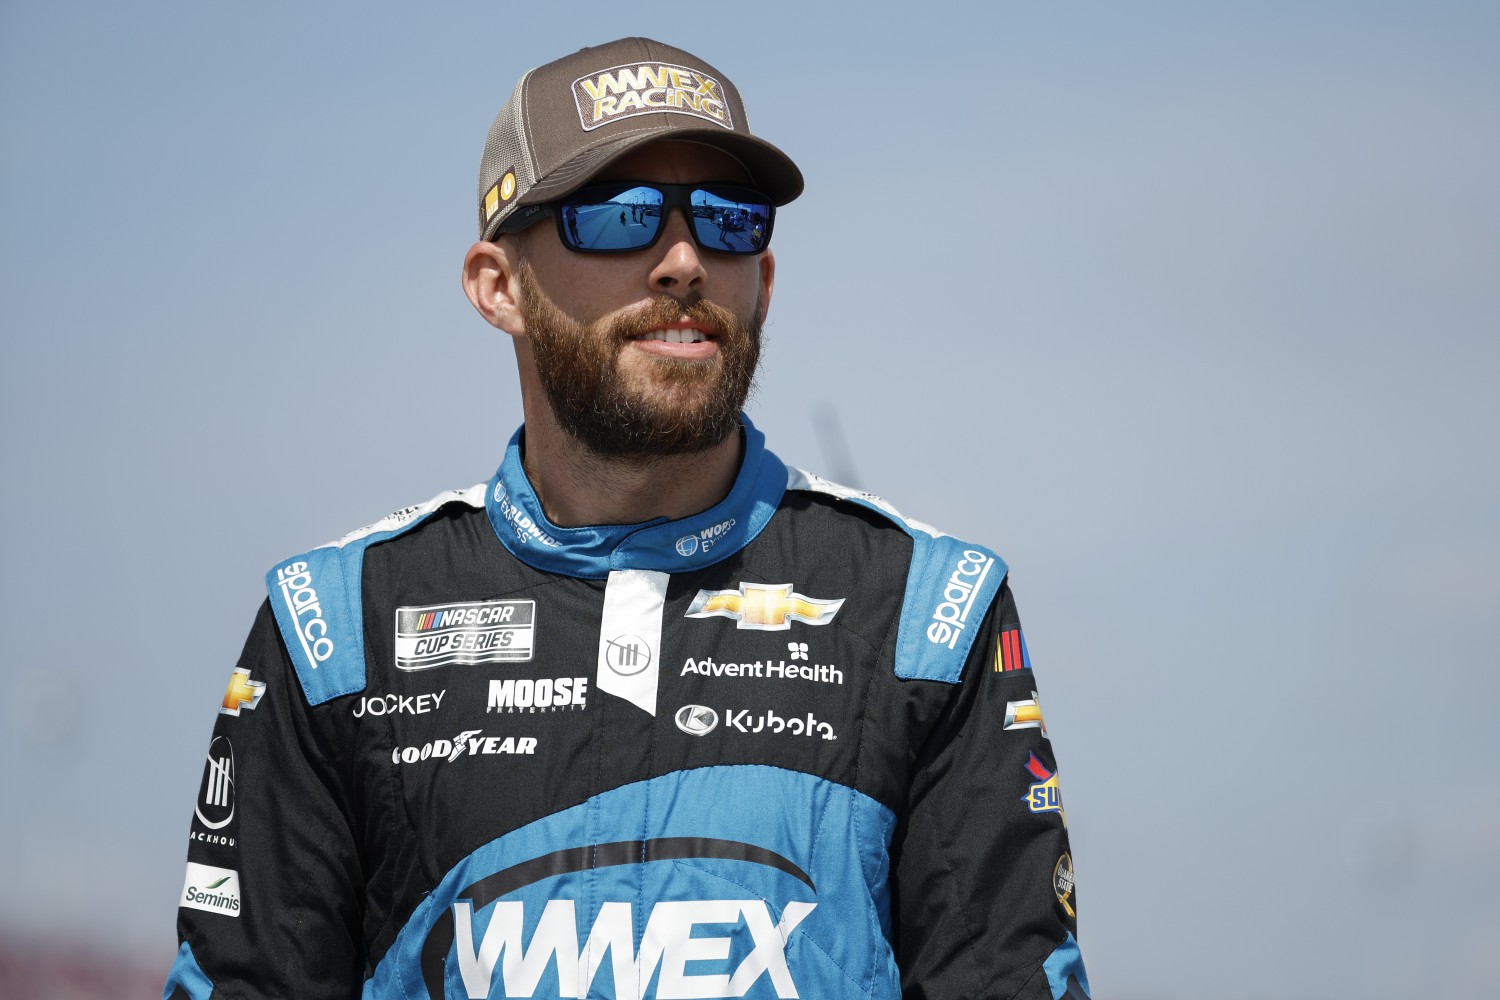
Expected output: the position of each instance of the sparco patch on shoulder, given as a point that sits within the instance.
(476, 632)
(649, 88)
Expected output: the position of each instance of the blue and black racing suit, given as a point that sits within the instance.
(788, 747)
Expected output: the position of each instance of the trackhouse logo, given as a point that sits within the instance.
(215, 806)
(627, 655)
(645, 88)
(477, 632)
(690, 948)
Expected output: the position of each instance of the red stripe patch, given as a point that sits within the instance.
(1010, 650)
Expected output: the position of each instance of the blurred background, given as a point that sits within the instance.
(1188, 309)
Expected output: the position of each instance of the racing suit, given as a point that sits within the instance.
(787, 747)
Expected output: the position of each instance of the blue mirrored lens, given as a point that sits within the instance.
(728, 222)
(608, 218)
(627, 220)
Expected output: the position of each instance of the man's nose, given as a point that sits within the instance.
(680, 264)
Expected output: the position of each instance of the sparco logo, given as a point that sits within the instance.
(526, 529)
(307, 614)
(705, 539)
(951, 617)
(643, 88)
(470, 741)
(696, 720)
(215, 807)
(690, 949)
(543, 694)
(769, 721)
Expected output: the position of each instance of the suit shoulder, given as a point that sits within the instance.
(950, 585)
(316, 597)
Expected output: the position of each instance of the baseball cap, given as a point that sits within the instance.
(568, 119)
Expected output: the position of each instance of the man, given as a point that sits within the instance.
(649, 714)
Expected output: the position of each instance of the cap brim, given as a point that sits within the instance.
(771, 170)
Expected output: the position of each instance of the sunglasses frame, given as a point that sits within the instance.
(673, 196)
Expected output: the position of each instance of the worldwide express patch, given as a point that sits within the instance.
(438, 635)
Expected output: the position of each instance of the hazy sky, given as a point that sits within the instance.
(1188, 309)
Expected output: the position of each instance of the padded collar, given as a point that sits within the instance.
(659, 544)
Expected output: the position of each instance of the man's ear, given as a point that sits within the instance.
(767, 264)
(490, 281)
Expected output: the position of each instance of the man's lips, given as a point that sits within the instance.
(679, 340)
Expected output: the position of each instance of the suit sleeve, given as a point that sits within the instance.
(984, 895)
(272, 902)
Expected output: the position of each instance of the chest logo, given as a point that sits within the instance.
(477, 632)
(765, 607)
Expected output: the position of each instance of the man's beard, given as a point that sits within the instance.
(689, 407)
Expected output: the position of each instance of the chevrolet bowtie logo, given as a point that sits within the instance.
(241, 693)
(768, 607)
(1025, 715)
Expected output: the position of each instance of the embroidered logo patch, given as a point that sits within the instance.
(648, 88)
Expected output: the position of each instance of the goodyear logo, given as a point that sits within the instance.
(647, 88)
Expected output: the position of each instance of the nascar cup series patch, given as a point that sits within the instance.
(476, 632)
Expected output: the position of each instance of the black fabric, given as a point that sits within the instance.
(339, 845)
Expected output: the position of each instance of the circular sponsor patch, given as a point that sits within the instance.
(687, 545)
(215, 806)
(696, 720)
(508, 186)
(627, 655)
(1062, 882)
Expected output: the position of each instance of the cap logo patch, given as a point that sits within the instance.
(498, 194)
(649, 88)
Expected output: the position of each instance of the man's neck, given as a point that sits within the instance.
(578, 487)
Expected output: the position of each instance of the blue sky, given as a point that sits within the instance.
(1188, 309)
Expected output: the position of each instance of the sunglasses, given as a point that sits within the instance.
(621, 216)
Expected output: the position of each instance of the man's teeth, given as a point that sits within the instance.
(676, 336)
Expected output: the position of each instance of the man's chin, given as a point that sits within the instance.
(656, 428)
